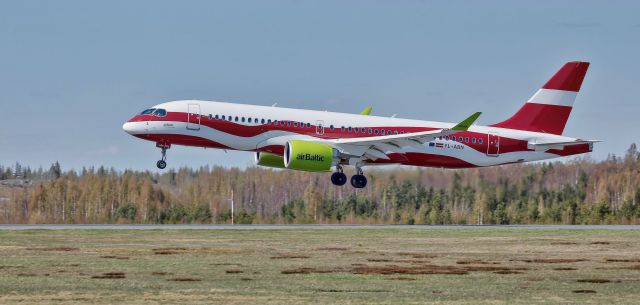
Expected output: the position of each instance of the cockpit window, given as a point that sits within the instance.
(160, 112)
(148, 111)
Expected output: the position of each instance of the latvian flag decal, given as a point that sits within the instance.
(437, 145)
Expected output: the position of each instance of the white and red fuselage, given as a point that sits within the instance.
(533, 133)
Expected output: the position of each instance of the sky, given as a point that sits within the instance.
(71, 72)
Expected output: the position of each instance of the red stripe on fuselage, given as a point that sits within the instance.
(237, 129)
(182, 140)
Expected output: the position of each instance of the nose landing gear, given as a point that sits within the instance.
(162, 163)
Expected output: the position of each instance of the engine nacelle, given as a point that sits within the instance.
(269, 160)
(308, 156)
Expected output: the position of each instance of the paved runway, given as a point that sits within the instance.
(315, 227)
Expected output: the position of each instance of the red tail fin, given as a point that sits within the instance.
(548, 110)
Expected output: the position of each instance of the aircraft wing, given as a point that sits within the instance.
(557, 145)
(375, 147)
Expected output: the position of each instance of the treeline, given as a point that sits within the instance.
(580, 191)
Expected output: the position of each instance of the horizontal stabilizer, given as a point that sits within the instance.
(557, 145)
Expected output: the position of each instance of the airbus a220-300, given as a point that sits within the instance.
(322, 141)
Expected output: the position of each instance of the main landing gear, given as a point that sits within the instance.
(357, 181)
(338, 178)
(162, 163)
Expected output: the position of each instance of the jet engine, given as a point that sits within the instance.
(308, 156)
(269, 160)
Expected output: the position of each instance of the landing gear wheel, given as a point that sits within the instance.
(358, 181)
(161, 164)
(338, 178)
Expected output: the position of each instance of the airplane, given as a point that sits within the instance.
(322, 141)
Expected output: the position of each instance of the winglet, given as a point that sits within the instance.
(366, 111)
(464, 125)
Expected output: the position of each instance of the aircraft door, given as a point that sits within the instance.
(193, 121)
(320, 127)
(493, 145)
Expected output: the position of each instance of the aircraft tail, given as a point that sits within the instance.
(548, 109)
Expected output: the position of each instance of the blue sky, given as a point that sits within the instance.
(71, 72)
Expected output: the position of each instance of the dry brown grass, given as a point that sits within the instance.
(623, 260)
(597, 281)
(551, 260)
(234, 271)
(184, 279)
(110, 275)
(290, 256)
(114, 257)
(477, 261)
(583, 291)
(332, 249)
(57, 249)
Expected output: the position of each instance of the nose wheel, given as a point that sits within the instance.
(162, 163)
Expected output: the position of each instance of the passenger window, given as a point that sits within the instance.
(210, 117)
(395, 132)
(289, 123)
(242, 119)
(479, 140)
(331, 127)
(473, 140)
(382, 132)
(262, 121)
(466, 140)
(375, 131)
(446, 138)
(459, 139)
(236, 119)
(216, 117)
(342, 129)
(269, 121)
(295, 124)
(224, 118)
(370, 130)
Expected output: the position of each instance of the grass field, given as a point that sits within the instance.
(470, 266)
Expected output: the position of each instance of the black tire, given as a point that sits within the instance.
(161, 164)
(358, 181)
(338, 179)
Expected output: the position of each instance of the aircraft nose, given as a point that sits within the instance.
(128, 127)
